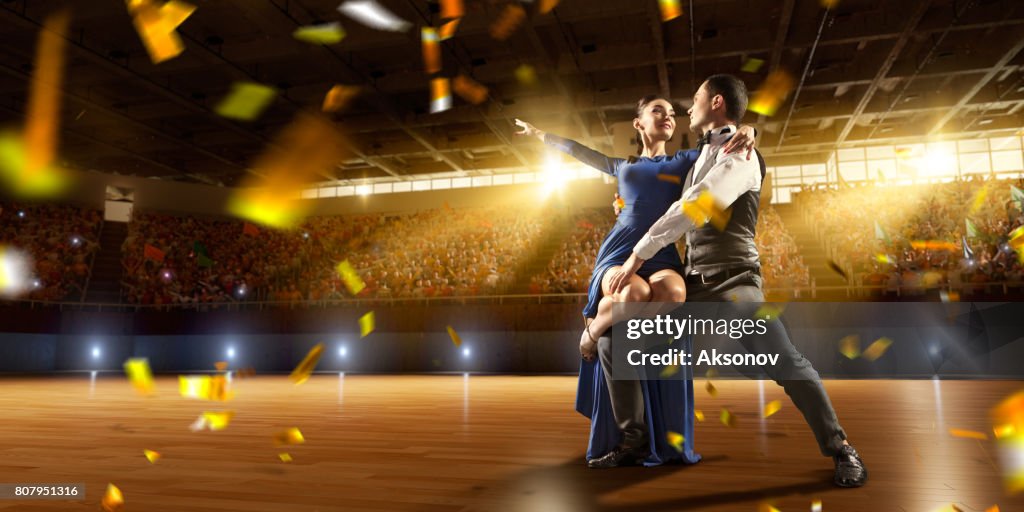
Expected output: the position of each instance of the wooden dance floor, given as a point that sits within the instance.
(505, 443)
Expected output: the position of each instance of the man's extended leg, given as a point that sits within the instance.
(626, 396)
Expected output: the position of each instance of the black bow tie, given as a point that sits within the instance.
(703, 140)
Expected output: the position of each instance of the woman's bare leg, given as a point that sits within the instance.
(636, 291)
(668, 290)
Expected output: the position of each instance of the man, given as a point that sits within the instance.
(723, 265)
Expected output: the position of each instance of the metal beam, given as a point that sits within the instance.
(658, 41)
(978, 86)
(780, 41)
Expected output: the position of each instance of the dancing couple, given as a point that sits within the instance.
(637, 262)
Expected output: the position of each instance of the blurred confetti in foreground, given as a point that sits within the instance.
(968, 434)
(773, 407)
(139, 375)
(431, 43)
(205, 387)
(933, 245)
(351, 278)
(339, 97)
(675, 440)
(545, 6)
(772, 94)
(710, 388)
(526, 75)
(113, 499)
(374, 15)
(246, 101)
(284, 457)
(877, 349)
(768, 311)
(366, 324)
(727, 418)
(699, 414)
(816, 506)
(290, 436)
(151, 456)
(469, 89)
(1008, 418)
(508, 21)
(157, 25)
(304, 149)
(27, 158)
(305, 368)
(706, 209)
(766, 507)
(15, 272)
(850, 346)
(452, 9)
(440, 95)
(456, 340)
(669, 371)
(447, 31)
(670, 9)
(752, 65)
(212, 421)
(326, 33)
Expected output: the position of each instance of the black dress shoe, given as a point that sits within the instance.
(620, 456)
(850, 470)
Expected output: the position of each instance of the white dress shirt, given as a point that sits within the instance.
(725, 176)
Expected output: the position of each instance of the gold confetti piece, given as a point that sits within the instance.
(769, 311)
(773, 407)
(366, 324)
(351, 278)
(850, 346)
(876, 349)
(440, 95)
(765, 507)
(829, 4)
(113, 499)
(327, 33)
(290, 436)
(968, 434)
(469, 89)
(699, 414)
(447, 31)
(454, 336)
(816, 506)
(339, 97)
(431, 50)
(526, 75)
(374, 15)
(1004, 431)
(669, 371)
(452, 9)
(993, 508)
(1016, 238)
(670, 178)
(508, 21)
(884, 259)
(246, 101)
(545, 6)
(933, 245)
(710, 388)
(285, 457)
(302, 372)
(772, 94)
(949, 296)
(157, 27)
(675, 440)
(205, 387)
(711, 373)
(752, 65)
(218, 420)
(706, 209)
(978, 200)
(139, 375)
(670, 9)
(151, 456)
(221, 365)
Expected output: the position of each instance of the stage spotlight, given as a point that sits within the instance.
(363, 190)
(934, 350)
(554, 176)
(75, 241)
(231, 352)
(305, 235)
(465, 352)
(342, 351)
(21, 214)
(36, 283)
(96, 352)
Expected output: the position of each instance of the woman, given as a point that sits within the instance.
(648, 184)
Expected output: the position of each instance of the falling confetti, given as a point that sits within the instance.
(545, 6)
(456, 340)
(526, 75)
(15, 277)
(205, 387)
(675, 440)
(993, 508)
(710, 388)
(212, 421)
(670, 178)
(469, 89)
(431, 50)
(850, 346)
(508, 21)
(139, 375)
(246, 101)
(772, 94)
(949, 296)
(765, 507)
(838, 270)
(773, 407)
(706, 209)
(968, 434)
(327, 33)
(876, 349)
(339, 97)
(113, 499)
(670, 9)
(752, 65)
(1003, 431)
(440, 95)
(151, 456)
(699, 414)
(290, 436)
(829, 4)
(366, 325)
(350, 277)
(1008, 417)
(452, 9)
(769, 311)
(727, 418)
(816, 506)
(447, 31)
(158, 25)
(374, 15)
(285, 457)
(933, 245)
(305, 368)
(884, 259)
(669, 371)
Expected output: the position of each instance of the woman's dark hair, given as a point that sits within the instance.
(640, 106)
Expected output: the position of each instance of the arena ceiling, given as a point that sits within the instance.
(868, 72)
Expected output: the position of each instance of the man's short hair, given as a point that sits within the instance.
(733, 90)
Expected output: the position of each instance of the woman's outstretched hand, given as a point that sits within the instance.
(745, 139)
(529, 130)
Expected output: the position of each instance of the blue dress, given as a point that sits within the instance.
(648, 186)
